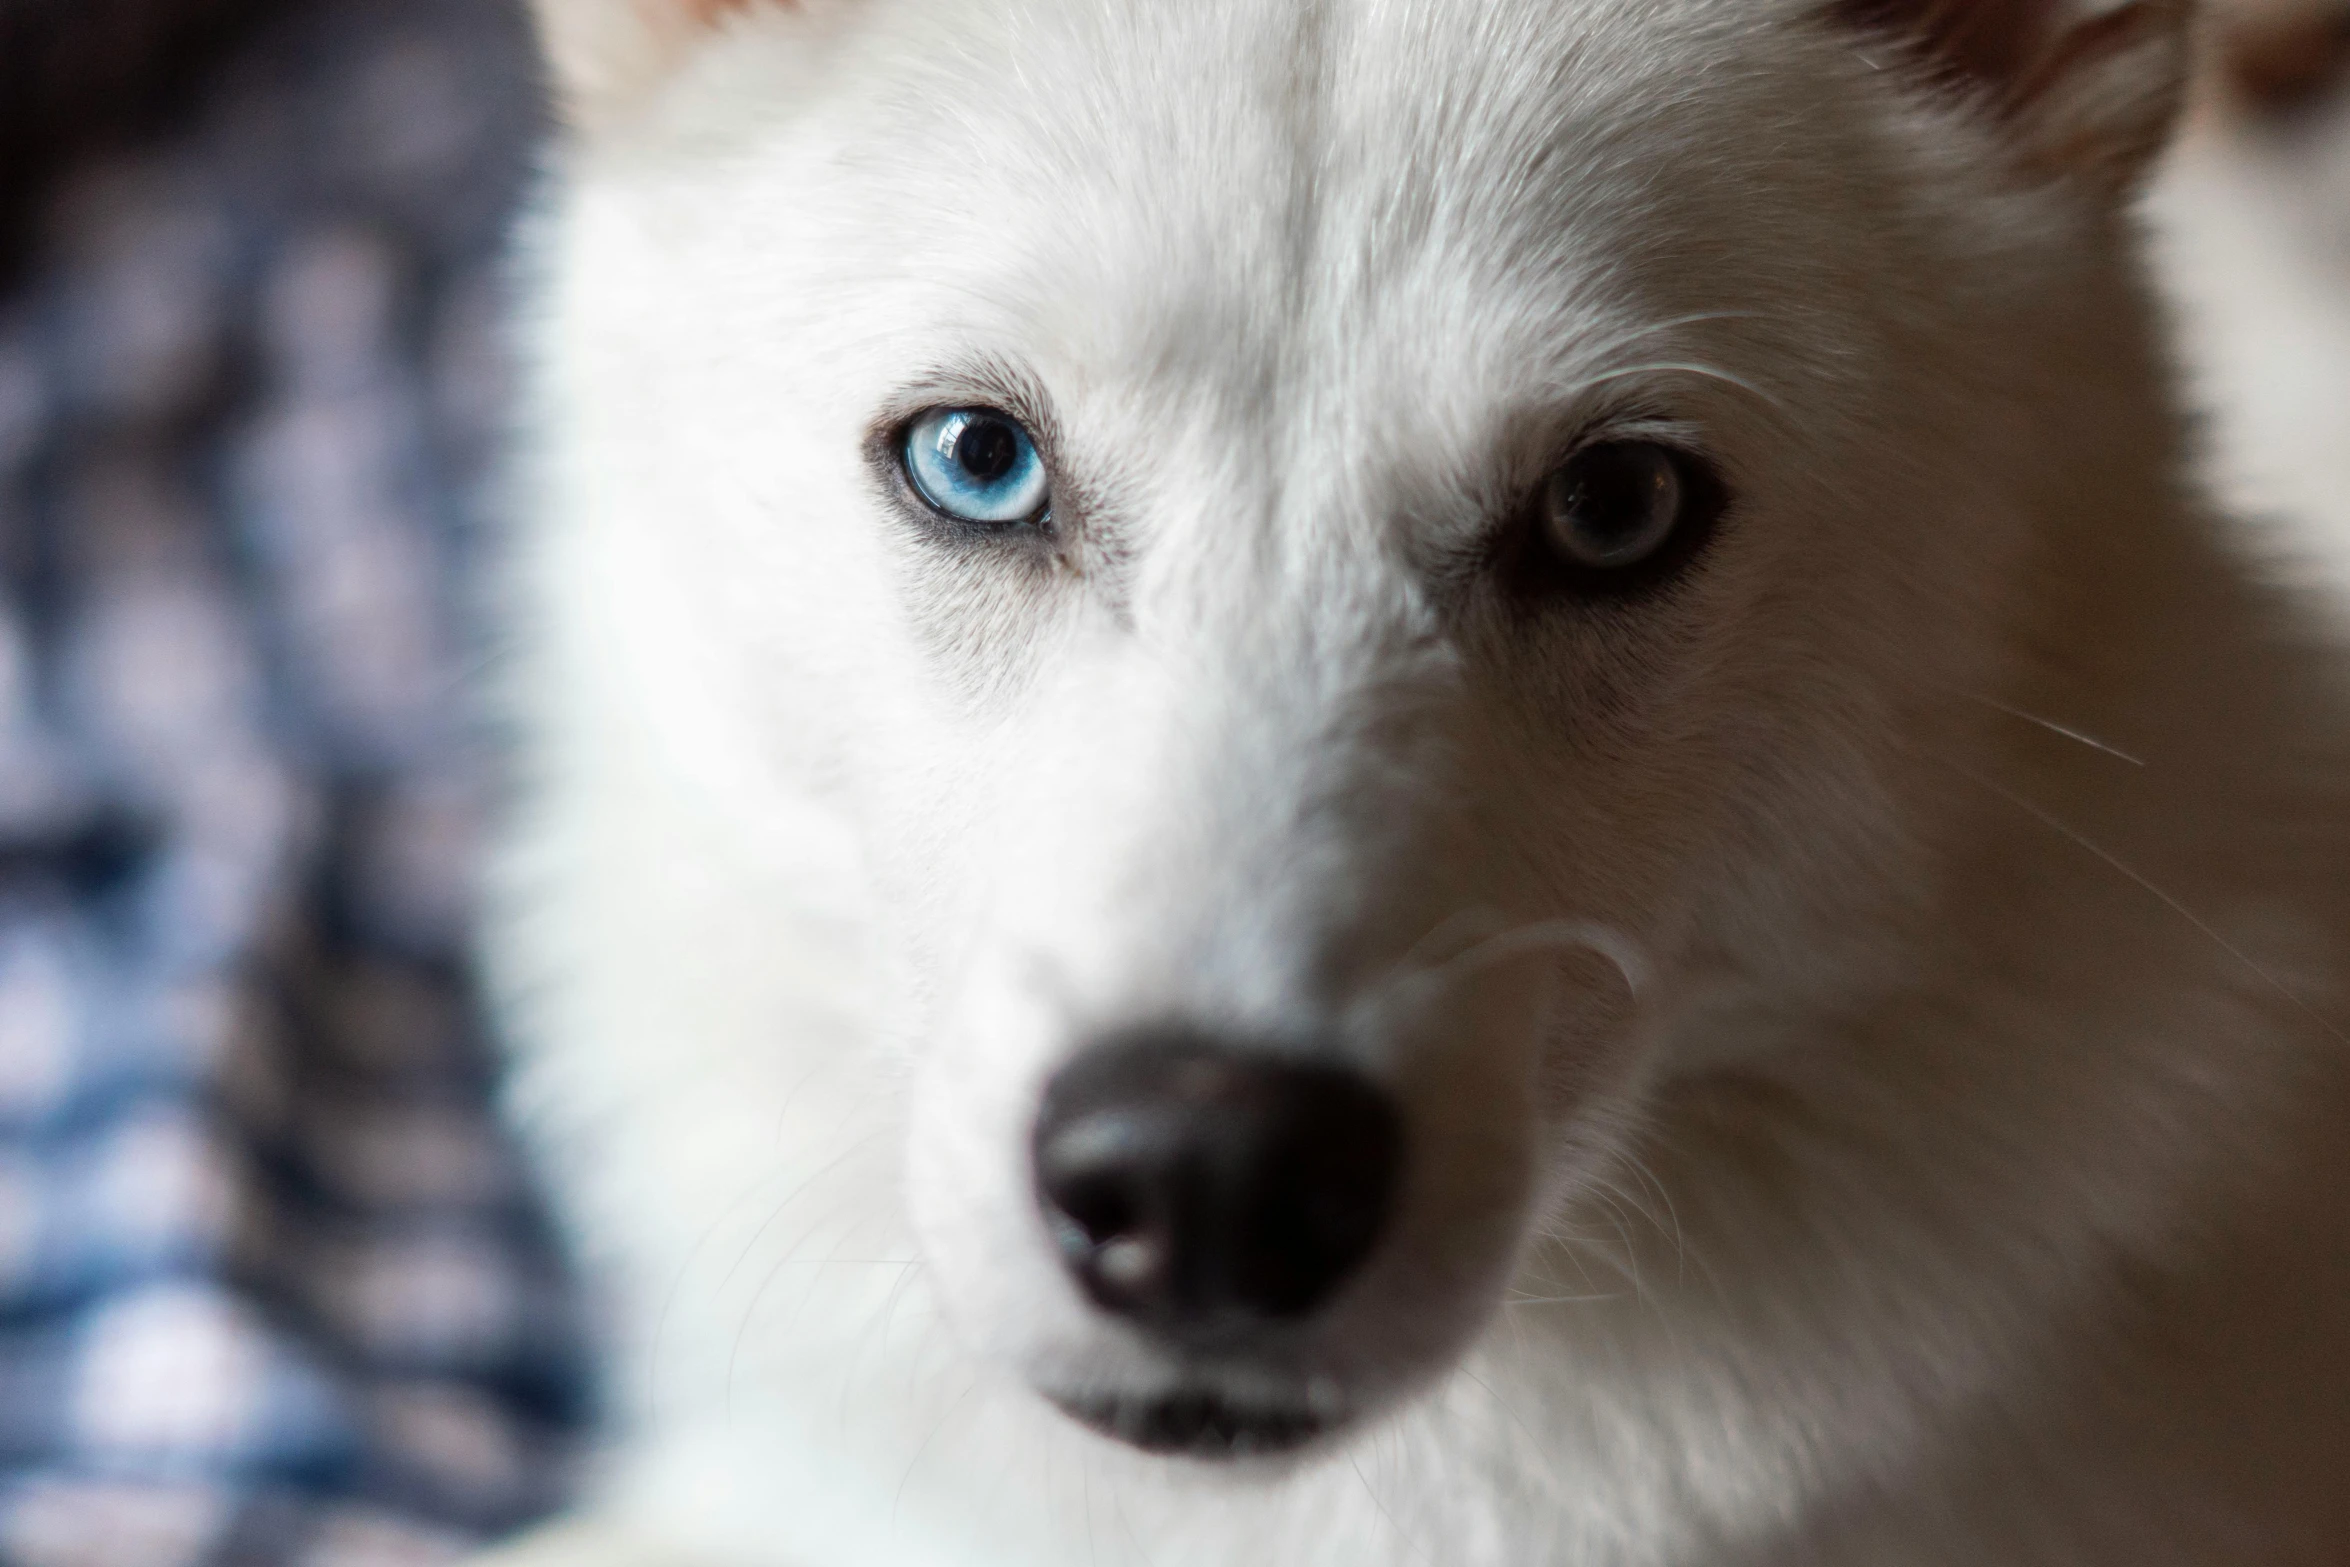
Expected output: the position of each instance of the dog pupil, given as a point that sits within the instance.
(1615, 500)
(987, 450)
(1616, 494)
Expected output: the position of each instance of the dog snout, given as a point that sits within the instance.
(1204, 1191)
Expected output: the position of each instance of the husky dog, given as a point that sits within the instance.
(1326, 783)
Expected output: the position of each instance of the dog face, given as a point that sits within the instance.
(1338, 558)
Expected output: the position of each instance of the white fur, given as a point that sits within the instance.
(1945, 1168)
(2252, 228)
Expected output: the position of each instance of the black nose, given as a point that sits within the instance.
(1202, 1191)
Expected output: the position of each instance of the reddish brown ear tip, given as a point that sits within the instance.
(2085, 88)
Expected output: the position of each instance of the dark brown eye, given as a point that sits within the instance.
(1618, 504)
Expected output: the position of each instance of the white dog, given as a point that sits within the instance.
(1324, 783)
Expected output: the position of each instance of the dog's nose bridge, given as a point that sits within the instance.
(1235, 820)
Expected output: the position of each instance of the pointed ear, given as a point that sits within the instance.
(606, 53)
(2084, 88)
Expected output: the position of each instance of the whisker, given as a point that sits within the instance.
(685, 1271)
(1548, 936)
(1126, 1525)
(1423, 984)
(970, 1386)
(2284, 991)
(1638, 1204)
(750, 1312)
(1534, 1449)
(805, 1188)
(1580, 1250)
(1372, 1492)
(1615, 1218)
(1640, 1170)
(1685, 367)
(1452, 927)
(2050, 724)
(791, 1198)
(1625, 340)
(889, 1312)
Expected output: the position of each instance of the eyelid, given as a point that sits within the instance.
(978, 383)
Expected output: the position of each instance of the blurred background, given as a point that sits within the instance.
(273, 1288)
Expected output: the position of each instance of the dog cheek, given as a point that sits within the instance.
(974, 1086)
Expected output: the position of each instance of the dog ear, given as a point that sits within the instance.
(605, 54)
(2084, 88)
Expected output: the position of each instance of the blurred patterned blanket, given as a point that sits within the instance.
(272, 1287)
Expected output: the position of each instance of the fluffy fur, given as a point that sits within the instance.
(1871, 1017)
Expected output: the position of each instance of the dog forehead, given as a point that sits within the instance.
(1224, 183)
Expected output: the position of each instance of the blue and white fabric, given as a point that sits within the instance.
(273, 1286)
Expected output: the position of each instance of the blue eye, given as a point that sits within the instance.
(976, 465)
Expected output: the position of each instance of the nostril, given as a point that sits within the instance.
(1093, 1172)
(1099, 1207)
(1202, 1190)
